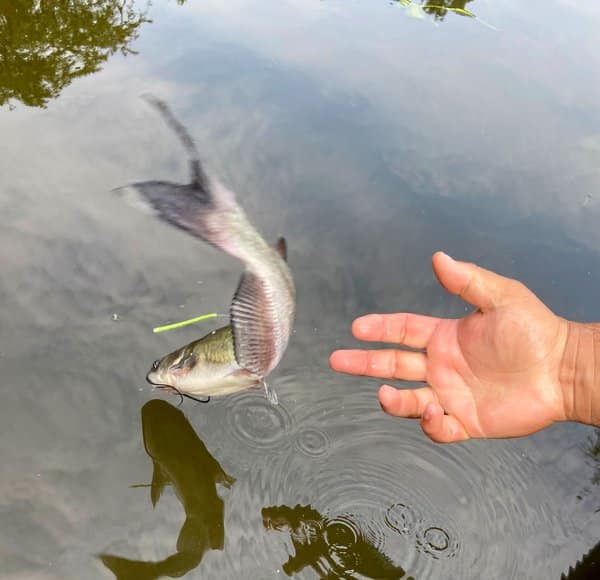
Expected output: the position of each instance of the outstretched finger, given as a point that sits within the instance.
(412, 330)
(442, 428)
(406, 402)
(404, 365)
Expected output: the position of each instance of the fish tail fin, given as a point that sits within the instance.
(123, 568)
(197, 173)
(205, 208)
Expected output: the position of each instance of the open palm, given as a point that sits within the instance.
(493, 373)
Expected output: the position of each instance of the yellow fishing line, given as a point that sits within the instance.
(184, 322)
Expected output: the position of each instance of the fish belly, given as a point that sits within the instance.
(215, 387)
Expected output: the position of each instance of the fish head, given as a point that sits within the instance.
(172, 370)
(204, 367)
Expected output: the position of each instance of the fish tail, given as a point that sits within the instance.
(198, 176)
(205, 208)
(123, 568)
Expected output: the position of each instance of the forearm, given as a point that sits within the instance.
(580, 373)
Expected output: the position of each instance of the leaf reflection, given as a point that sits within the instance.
(436, 8)
(334, 548)
(45, 45)
(179, 459)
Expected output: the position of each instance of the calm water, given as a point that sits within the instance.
(369, 134)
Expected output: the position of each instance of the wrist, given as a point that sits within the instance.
(579, 373)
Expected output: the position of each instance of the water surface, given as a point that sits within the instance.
(370, 134)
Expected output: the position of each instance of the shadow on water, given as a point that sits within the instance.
(334, 548)
(182, 460)
(44, 46)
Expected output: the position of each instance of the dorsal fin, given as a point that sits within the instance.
(281, 247)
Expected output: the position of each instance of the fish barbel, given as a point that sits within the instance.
(262, 311)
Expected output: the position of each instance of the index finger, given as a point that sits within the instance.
(412, 330)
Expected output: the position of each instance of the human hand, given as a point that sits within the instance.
(493, 373)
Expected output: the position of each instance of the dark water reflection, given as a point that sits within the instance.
(44, 46)
(369, 139)
(333, 548)
(180, 459)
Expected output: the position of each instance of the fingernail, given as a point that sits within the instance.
(385, 389)
(447, 256)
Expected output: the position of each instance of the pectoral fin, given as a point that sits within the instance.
(159, 480)
(252, 334)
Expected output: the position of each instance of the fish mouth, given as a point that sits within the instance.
(160, 385)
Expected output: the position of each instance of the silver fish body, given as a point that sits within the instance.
(204, 367)
(263, 307)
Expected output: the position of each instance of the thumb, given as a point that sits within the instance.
(482, 288)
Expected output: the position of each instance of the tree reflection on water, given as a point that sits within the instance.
(333, 548)
(45, 45)
(436, 8)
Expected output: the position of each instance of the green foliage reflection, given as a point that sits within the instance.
(45, 44)
(333, 548)
(439, 8)
(436, 8)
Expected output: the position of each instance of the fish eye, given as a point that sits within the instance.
(155, 364)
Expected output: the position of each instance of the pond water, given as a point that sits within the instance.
(370, 134)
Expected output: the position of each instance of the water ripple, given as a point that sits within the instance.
(258, 423)
(381, 489)
(401, 518)
(245, 427)
(313, 442)
(420, 503)
(437, 543)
